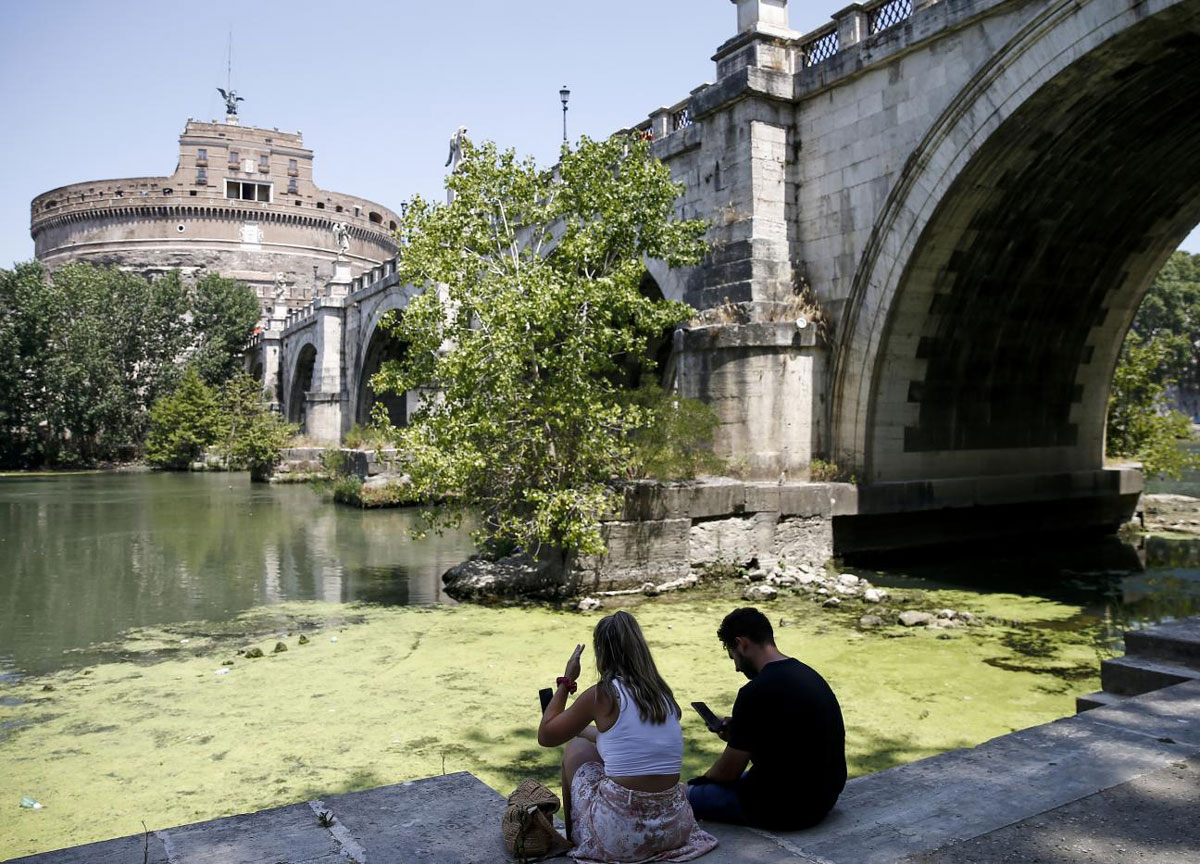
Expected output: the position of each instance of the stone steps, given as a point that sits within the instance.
(1156, 657)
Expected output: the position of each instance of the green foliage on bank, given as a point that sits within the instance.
(1170, 316)
(85, 353)
(234, 423)
(1140, 425)
(530, 337)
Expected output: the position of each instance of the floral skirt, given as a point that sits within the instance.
(614, 825)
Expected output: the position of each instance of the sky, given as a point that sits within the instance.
(101, 89)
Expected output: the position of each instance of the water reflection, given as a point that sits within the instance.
(87, 557)
(1117, 585)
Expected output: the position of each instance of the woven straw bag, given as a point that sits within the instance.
(527, 827)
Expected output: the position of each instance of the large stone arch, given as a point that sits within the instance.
(380, 347)
(300, 382)
(988, 308)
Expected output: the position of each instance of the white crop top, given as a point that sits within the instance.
(635, 746)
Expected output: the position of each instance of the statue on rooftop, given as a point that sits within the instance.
(231, 99)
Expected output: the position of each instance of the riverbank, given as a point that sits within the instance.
(161, 730)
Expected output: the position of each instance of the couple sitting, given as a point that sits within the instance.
(622, 799)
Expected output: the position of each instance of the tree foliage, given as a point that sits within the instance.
(250, 435)
(1140, 426)
(224, 312)
(1170, 318)
(532, 306)
(87, 351)
(183, 424)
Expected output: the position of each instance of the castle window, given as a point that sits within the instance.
(201, 178)
(238, 190)
(264, 163)
(292, 186)
(293, 169)
(192, 192)
(202, 156)
(375, 217)
(320, 205)
(167, 192)
(233, 157)
(338, 207)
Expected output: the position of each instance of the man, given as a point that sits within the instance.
(786, 724)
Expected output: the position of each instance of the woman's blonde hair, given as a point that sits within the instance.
(622, 652)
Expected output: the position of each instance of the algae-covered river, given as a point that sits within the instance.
(125, 600)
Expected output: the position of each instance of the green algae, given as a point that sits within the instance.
(167, 734)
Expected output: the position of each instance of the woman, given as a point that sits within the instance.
(622, 798)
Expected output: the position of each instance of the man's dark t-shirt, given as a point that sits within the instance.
(790, 722)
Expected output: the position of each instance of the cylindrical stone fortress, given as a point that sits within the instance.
(241, 203)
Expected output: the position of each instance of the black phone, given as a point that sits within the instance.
(711, 720)
(545, 694)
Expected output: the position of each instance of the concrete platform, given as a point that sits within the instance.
(1121, 781)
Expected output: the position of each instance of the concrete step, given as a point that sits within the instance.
(1133, 676)
(1174, 642)
(1099, 699)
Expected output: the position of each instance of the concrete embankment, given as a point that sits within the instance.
(1116, 783)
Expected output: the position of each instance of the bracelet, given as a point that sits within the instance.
(571, 685)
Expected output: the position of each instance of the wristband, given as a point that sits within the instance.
(571, 685)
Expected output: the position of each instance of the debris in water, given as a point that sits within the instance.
(31, 804)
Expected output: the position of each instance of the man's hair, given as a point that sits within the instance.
(748, 622)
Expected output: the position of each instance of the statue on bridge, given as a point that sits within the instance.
(456, 149)
(341, 235)
(231, 99)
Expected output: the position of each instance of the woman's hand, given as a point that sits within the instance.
(573, 667)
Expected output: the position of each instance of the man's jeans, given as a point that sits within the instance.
(717, 802)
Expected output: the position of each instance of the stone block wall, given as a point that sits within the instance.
(666, 530)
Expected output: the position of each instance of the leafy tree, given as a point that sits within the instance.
(25, 325)
(533, 300)
(251, 435)
(1170, 316)
(1139, 425)
(224, 312)
(676, 442)
(183, 424)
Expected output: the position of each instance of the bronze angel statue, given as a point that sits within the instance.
(231, 99)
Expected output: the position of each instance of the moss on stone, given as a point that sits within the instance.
(172, 736)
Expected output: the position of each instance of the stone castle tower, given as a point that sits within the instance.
(241, 203)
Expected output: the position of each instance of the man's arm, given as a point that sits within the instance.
(729, 765)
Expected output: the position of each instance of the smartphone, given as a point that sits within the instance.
(545, 694)
(711, 720)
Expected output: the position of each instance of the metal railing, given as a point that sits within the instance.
(890, 14)
(821, 47)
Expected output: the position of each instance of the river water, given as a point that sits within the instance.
(87, 557)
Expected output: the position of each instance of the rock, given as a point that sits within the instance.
(847, 579)
(687, 581)
(254, 652)
(48, 688)
(823, 591)
(227, 662)
(846, 590)
(806, 578)
(832, 601)
(760, 592)
(870, 621)
(781, 581)
(590, 604)
(303, 639)
(805, 568)
(946, 614)
(514, 576)
(913, 618)
(650, 589)
(756, 575)
(874, 595)
(279, 648)
(967, 617)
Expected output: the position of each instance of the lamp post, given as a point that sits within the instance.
(564, 94)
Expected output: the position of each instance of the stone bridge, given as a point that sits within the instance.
(977, 193)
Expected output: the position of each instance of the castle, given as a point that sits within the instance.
(241, 203)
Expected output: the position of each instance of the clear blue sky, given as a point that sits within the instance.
(94, 90)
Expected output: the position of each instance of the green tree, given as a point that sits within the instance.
(1139, 424)
(1170, 316)
(26, 316)
(533, 302)
(224, 312)
(183, 424)
(251, 435)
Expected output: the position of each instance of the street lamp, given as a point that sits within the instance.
(564, 94)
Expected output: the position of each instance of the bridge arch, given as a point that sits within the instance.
(989, 307)
(300, 384)
(381, 346)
